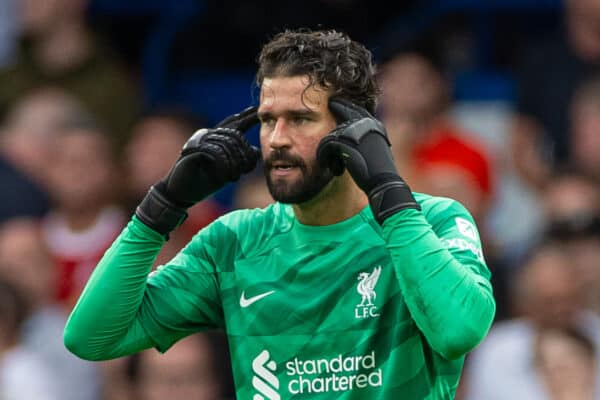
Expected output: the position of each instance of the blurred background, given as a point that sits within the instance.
(495, 103)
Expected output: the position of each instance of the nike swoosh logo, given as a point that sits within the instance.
(244, 302)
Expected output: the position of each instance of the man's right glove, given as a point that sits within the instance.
(210, 159)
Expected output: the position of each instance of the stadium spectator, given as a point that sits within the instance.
(22, 374)
(436, 154)
(83, 182)
(571, 195)
(27, 264)
(193, 369)
(572, 208)
(548, 295)
(30, 125)
(25, 141)
(567, 363)
(545, 93)
(57, 48)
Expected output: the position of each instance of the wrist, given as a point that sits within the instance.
(159, 213)
(389, 196)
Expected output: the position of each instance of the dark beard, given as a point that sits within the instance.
(313, 179)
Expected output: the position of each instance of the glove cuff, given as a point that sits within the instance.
(389, 197)
(160, 214)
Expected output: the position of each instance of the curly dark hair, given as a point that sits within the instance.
(329, 58)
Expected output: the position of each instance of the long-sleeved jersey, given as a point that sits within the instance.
(352, 310)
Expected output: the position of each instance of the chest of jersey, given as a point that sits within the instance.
(326, 316)
(299, 288)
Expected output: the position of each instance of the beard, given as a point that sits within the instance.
(313, 178)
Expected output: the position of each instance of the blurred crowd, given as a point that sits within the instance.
(79, 149)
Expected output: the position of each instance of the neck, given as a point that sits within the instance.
(338, 201)
(62, 48)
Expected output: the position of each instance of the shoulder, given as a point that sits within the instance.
(438, 209)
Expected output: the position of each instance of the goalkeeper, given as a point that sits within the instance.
(350, 286)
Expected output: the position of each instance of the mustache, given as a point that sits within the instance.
(283, 156)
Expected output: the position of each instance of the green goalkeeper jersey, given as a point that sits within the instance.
(351, 310)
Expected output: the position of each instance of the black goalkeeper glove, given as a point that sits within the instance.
(210, 159)
(359, 144)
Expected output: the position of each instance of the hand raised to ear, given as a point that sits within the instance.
(211, 158)
(360, 145)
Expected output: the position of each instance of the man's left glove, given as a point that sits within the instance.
(210, 159)
(360, 144)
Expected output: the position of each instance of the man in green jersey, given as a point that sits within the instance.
(350, 286)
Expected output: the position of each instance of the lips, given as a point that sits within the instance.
(283, 165)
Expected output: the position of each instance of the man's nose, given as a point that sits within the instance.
(280, 136)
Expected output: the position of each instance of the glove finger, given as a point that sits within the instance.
(243, 153)
(249, 159)
(236, 144)
(329, 155)
(239, 154)
(241, 121)
(344, 110)
(228, 159)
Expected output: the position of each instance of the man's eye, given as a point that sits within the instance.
(301, 120)
(267, 121)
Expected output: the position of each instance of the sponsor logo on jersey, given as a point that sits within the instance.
(366, 288)
(245, 302)
(340, 373)
(466, 228)
(462, 244)
(264, 380)
(337, 374)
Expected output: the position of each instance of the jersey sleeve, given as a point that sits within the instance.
(124, 309)
(441, 270)
(183, 296)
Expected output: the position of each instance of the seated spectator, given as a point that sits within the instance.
(567, 363)
(194, 368)
(26, 263)
(414, 107)
(57, 48)
(449, 167)
(155, 144)
(30, 125)
(22, 374)
(548, 295)
(572, 206)
(548, 72)
(83, 182)
(25, 140)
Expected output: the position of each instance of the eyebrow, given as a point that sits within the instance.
(288, 113)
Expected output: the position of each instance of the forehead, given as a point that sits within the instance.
(284, 93)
